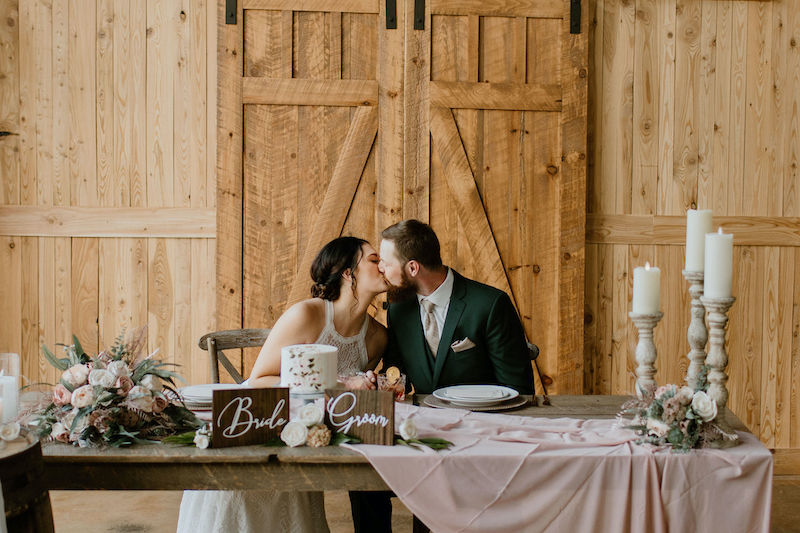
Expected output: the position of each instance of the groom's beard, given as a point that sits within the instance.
(404, 291)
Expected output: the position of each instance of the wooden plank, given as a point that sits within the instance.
(212, 103)
(787, 462)
(707, 59)
(644, 181)
(229, 171)
(183, 343)
(202, 310)
(511, 96)
(138, 104)
(84, 292)
(738, 100)
(591, 353)
(778, 100)
(104, 110)
(161, 61)
(60, 102)
(83, 99)
(595, 139)
(683, 189)
(11, 300)
(784, 383)
(572, 204)
(123, 287)
(309, 92)
(605, 300)
(9, 103)
(30, 324)
(416, 105)
(62, 301)
(108, 222)
(623, 364)
(666, 104)
(391, 139)
(744, 340)
(643, 229)
(27, 103)
(794, 439)
(347, 6)
(123, 60)
(470, 207)
(791, 164)
(45, 294)
(769, 343)
(670, 334)
(44, 105)
(341, 189)
(721, 116)
(183, 87)
(500, 8)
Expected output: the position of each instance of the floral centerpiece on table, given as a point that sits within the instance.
(115, 398)
(678, 417)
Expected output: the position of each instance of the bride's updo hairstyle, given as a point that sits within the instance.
(331, 262)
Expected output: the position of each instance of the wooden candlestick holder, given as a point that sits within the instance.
(645, 350)
(697, 334)
(717, 358)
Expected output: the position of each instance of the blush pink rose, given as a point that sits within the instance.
(141, 398)
(159, 404)
(82, 396)
(61, 395)
(124, 385)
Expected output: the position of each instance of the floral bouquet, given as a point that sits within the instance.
(115, 398)
(674, 416)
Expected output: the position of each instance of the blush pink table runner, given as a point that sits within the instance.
(511, 474)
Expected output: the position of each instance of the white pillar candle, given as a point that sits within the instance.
(698, 223)
(9, 391)
(719, 265)
(646, 289)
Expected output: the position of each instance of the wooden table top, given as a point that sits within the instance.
(164, 467)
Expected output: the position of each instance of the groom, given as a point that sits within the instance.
(444, 329)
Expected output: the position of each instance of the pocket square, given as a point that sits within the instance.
(464, 344)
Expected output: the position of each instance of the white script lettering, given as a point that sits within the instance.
(338, 414)
(243, 420)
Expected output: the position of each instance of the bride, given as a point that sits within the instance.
(346, 280)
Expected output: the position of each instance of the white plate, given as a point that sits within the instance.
(200, 394)
(475, 395)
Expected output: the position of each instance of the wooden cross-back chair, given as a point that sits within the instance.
(218, 341)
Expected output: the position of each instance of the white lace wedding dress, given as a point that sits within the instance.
(213, 511)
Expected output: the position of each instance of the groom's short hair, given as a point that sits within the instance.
(415, 240)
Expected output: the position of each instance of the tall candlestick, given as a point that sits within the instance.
(646, 289)
(698, 223)
(719, 265)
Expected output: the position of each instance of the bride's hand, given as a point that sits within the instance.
(360, 381)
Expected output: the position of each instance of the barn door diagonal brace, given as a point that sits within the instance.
(575, 16)
(230, 11)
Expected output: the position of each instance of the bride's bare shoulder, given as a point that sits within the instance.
(310, 310)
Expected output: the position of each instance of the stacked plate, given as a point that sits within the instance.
(198, 397)
(475, 395)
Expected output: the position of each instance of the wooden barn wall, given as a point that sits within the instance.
(107, 176)
(695, 103)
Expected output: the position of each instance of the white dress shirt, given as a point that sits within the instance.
(441, 299)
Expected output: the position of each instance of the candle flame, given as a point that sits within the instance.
(647, 265)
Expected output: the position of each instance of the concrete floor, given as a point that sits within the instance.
(157, 512)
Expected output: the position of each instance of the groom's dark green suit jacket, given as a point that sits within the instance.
(477, 312)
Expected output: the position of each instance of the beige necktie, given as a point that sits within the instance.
(430, 327)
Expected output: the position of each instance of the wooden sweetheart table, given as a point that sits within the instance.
(164, 467)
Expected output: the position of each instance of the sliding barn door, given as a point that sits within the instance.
(340, 117)
(500, 95)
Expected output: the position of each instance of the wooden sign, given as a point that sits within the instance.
(248, 416)
(366, 414)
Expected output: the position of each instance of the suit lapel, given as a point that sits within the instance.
(454, 311)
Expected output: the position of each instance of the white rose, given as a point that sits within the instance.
(101, 377)
(141, 398)
(152, 382)
(9, 431)
(311, 414)
(657, 427)
(76, 375)
(82, 397)
(294, 433)
(119, 368)
(201, 440)
(408, 429)
(685, 395)
(60, 432)
(704, 406)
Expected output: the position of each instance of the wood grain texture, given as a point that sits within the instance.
(309, 92)
(365, 414)
(340, 192)
(469, 95)
(499, 8)
(349, 6)
(108, 222)
(248, 416)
